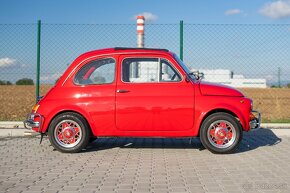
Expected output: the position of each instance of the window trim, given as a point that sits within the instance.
(159, 59)
(114, 80)
(172, 67)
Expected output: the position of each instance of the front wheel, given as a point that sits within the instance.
(221, 133)
(68, 132)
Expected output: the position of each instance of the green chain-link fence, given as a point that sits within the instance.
(253, 56)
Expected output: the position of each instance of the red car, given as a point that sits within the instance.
(139, 92)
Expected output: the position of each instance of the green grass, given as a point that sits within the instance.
(276, 121)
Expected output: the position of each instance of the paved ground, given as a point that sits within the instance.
(16, 128)
(146, 165)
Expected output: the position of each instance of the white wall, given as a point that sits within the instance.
(227, 77)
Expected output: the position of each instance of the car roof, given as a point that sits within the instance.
(123, 50)
(110, 51)
(141, 49)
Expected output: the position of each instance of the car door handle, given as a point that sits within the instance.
(122, 91)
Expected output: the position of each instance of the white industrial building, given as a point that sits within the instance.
(228, 77)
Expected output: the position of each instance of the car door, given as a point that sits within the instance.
(152, 95)
(96, 85)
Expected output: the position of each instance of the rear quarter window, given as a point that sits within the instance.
(100, 71)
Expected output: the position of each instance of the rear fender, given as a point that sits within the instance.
(60, 110)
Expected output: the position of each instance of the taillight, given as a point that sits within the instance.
(34, 109)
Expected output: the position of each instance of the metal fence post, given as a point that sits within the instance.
(38, 59)
(181, 39)
(279, 79)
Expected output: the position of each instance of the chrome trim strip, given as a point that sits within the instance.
(159, 58)
(101, 55)
(92, 72)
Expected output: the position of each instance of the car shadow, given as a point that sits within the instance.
(251, 141)
(257, 139)
(142, 143)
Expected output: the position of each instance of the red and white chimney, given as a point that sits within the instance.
(140, 31)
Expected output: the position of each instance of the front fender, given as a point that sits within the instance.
(222, 107)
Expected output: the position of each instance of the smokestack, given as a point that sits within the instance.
(140, 31)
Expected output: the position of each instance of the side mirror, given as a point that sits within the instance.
(201, 75)
(198, 75)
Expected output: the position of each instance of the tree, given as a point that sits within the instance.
(288, 85)
(4, 82)
(25, 81)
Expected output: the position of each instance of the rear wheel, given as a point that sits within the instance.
(69, 132)
(221, 133)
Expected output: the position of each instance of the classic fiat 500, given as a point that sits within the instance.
(139, 92)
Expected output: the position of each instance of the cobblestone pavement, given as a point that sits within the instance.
(262, 164)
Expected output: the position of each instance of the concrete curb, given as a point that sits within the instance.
(275, 125)
(16, 129)
(11, 125)
(16, 133)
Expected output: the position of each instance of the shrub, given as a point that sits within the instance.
(25, 81)
(4, 82)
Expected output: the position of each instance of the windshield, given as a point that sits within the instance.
(184, 66)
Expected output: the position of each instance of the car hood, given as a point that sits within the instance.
(207, 88)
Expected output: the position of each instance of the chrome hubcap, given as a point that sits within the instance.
(221, 134)
(67, 133)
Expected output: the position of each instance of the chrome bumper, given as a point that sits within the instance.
(256, 122)
(29, 123)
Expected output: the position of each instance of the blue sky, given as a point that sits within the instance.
(160, 11)
(255, 51)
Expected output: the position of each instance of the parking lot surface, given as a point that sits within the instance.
(261, 164)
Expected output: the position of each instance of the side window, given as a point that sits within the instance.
(140, 70)
(148, 70)
(100, 71)
(168, 73)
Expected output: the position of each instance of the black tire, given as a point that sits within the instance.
(221, 133)
(92, 139)
(69, 132)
